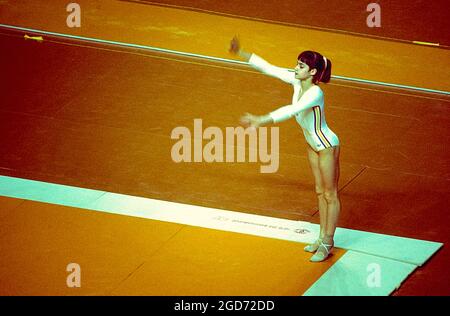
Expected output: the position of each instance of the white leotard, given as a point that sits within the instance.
(308, 110)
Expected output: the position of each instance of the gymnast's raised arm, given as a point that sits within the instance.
(260, 64)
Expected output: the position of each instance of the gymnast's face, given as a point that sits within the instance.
(302, 71)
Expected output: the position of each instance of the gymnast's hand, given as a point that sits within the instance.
(250, 120)
(235, 46)
(235, 49)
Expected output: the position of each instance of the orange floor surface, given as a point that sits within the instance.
(401, 20)
(122, 255)
(100, 117)
(209, 34)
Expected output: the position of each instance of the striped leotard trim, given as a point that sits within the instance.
(317, 127)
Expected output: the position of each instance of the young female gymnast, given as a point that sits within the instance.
(323, 145)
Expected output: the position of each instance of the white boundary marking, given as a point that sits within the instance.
(231, 61)
(397, 256)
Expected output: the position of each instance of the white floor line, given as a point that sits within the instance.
(357, 274)
(391, 253)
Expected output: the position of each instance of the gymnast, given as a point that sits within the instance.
(307, 106)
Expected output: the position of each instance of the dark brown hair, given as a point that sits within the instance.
(319, 62)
